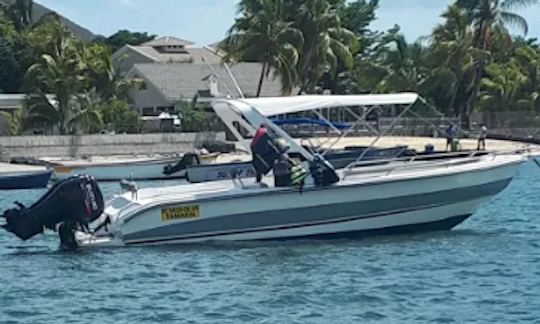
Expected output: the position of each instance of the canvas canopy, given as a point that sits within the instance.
(285, 105)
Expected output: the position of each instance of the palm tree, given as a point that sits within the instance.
(405, 67)
(104, 76)
(261, 35)
(486, 16)
(20, 12)
(501, 87)
(15, 121)
(326, 43)
(452, 45)
(527, 60)
(399, 67)
(192, 115)
(59, 72)
(87, 117)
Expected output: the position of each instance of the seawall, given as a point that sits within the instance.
(103, 144)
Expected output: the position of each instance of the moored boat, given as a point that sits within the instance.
(24, 180)
(147, 169)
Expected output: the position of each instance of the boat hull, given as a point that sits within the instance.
(25, 180)
(349, 209)
(146, 170)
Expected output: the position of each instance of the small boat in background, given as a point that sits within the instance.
(25, 180)
(147, 169)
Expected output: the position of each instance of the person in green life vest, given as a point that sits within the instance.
(298, 174)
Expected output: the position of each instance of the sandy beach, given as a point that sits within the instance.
(417, 143)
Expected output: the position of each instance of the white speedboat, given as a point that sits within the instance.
(435, 197)
(396, 197)
(145, 169)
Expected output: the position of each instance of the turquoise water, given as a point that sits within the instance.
(487, 270)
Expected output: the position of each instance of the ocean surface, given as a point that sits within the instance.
(487, 270)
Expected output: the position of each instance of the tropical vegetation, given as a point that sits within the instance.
(477, 59)
(71, 87)
(470, 62)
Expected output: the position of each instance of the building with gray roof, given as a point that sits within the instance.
(166, 85)
(173, 71)
(163, 50)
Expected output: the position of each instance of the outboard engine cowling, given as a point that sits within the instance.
(71, 203)
(189, 159)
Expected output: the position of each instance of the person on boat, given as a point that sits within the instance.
(482, 138)
(450, 135)
(298, 174)
(261, 131)
(282, 176)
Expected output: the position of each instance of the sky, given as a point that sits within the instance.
(206, 21)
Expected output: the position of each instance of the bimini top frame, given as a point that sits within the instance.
(250, 113)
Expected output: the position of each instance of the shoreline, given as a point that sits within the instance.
(417, 143)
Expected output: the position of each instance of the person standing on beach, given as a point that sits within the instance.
(450, 133)
(482, 138)
(261, 131)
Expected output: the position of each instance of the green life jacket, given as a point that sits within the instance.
(298, 174)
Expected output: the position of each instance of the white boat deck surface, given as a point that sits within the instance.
(367, 175)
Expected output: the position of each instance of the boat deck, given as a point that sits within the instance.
(365, 175)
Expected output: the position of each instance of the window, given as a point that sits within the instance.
(169, 109)
(148, 111)
(244, 132)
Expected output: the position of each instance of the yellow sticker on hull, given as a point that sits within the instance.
(180, 212)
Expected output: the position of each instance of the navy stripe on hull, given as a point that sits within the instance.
(442, 225)
(445, 224)
(316, 214)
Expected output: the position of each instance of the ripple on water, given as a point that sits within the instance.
(484, 271)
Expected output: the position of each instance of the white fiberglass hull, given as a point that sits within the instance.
(375, 204)
(143, 170)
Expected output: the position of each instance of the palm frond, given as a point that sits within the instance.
(515, 20)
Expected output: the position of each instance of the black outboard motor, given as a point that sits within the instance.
(189, 159)
(322, 171)
(73, 203)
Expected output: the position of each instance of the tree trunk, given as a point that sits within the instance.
(454, 95)
(261, 79)
(473, 100)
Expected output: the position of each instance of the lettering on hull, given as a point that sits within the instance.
(183, 212)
